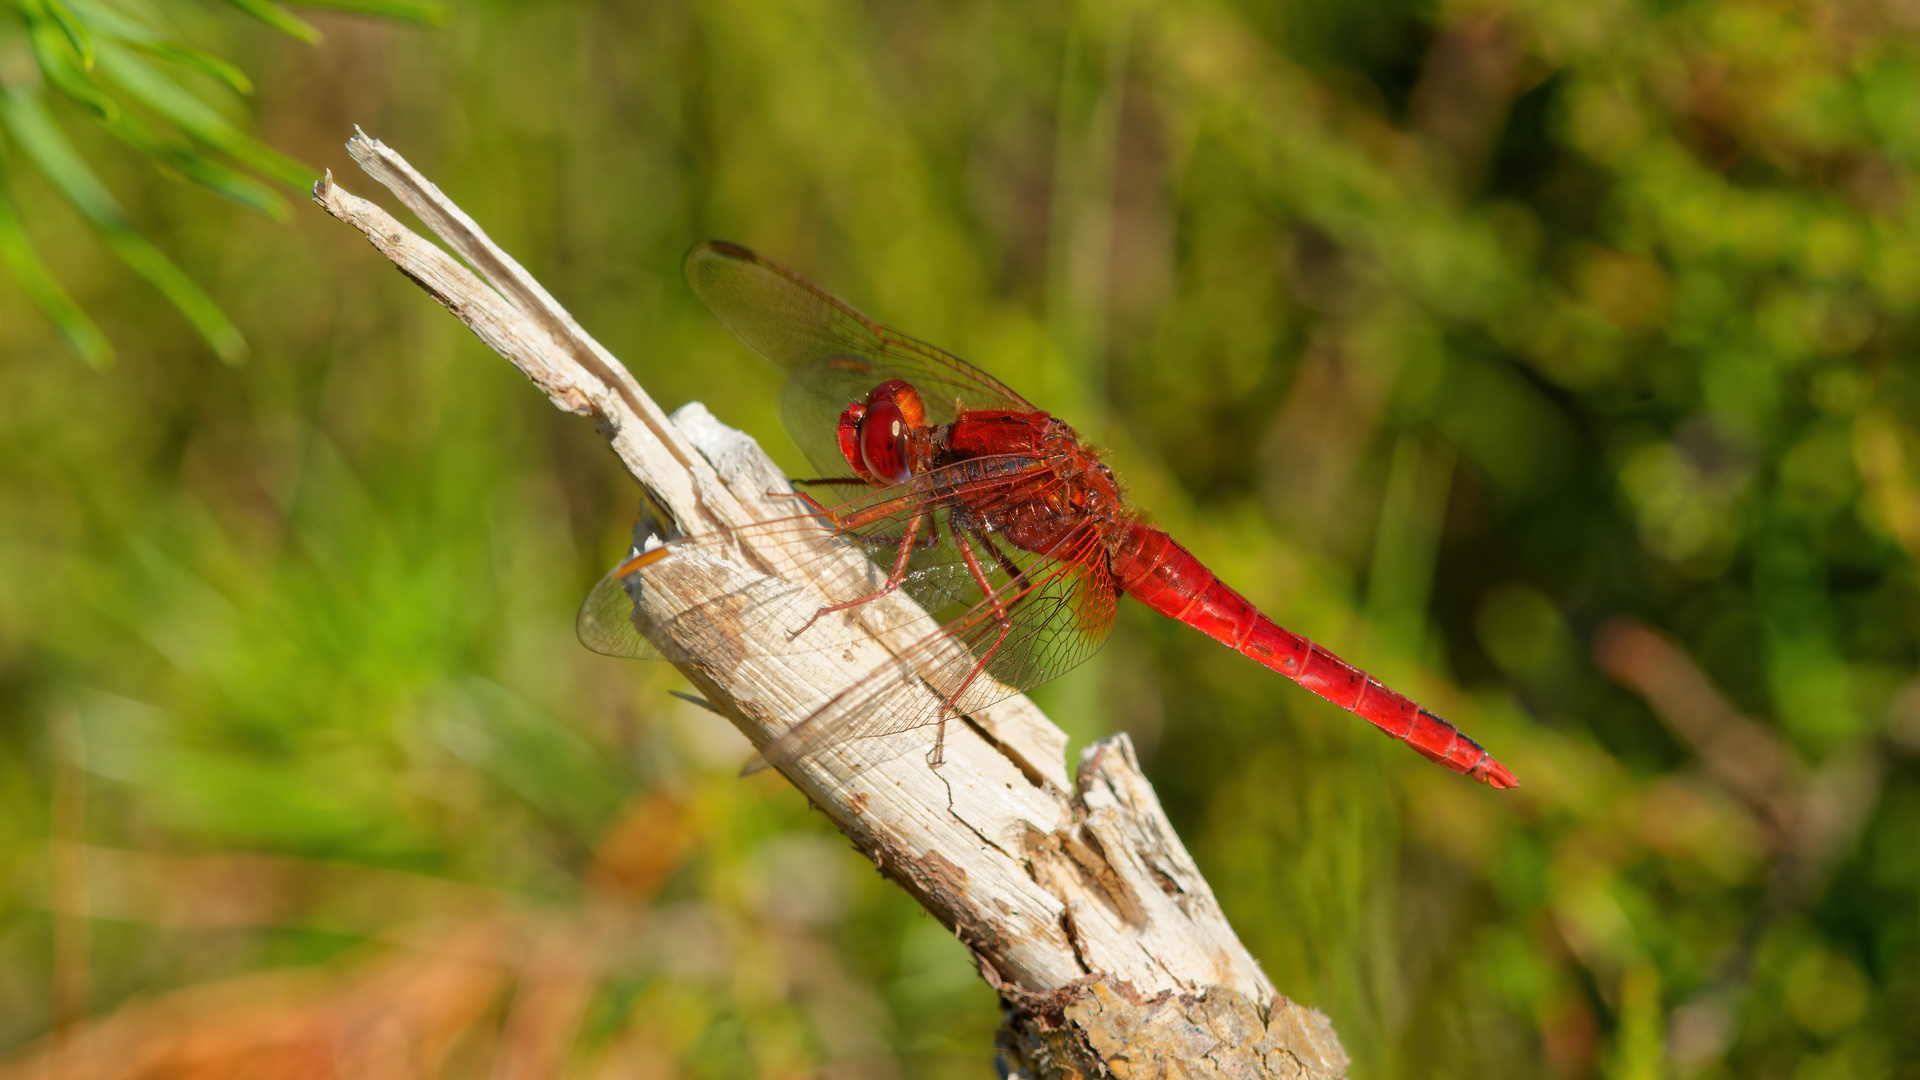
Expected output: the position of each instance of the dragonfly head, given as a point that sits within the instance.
(875, 433)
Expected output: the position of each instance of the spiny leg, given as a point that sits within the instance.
(894, 578)
(951, 704)
(857, 518)
(853, 520)
(811, 502)
(930, 540)
(999, 604)
(986, 540)
(987, 591)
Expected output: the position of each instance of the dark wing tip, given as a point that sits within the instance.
(707, 250)
(724, 247)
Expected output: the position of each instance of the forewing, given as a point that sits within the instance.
(704, 589)
(1037, 625)
(782, 572)
(833, 353)
(606, 622)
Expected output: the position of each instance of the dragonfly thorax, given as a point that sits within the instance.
(1032, 480)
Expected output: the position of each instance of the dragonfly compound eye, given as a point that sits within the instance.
(883, 442)
(849, 434)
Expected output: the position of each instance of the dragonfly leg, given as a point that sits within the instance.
(999, 604)
(986, 541)
(853, 520)
(894, 578)
(987, 591)
(931, 539)
(813, 504)
(952, 703)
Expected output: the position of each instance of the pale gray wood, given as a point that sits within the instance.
(1078, 900)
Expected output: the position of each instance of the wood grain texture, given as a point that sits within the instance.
(1079, 902)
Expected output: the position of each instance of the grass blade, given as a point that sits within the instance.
(180, 290)
(147, 85)
(198, 167)
(112, 25)
(58, 62)
(74, 30)
(279, 18)
(203, 62)
(44, 145)
(45, 292)
(223, 181)
(26, 117)
(429, 12)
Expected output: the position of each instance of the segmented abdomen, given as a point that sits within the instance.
(1166, 577)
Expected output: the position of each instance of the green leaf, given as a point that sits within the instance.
(150, 87)
(46, 293)
(198, 167)
(180, 290)
(60, 65)
(216, 177)
(73, 28)
(204, 62)
(114, 26)
(279, 18)
(43, 143)
(430, 12)
(26, 117)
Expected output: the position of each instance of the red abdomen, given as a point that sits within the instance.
(1167, 578)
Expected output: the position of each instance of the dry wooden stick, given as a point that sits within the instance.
(1080, 904)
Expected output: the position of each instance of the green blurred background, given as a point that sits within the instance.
(1549, 360)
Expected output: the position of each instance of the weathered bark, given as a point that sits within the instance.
(1079, 902)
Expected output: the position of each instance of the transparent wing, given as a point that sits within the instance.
(845, 553)
(833, 353)
(1003, 619)
(1035, 626)
(606, 621)
(607, 624)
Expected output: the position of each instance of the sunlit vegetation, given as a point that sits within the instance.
(1551, 361)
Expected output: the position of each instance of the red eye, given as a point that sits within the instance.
(850, 438)
(883, 438)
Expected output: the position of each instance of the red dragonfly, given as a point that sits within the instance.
(989, 512)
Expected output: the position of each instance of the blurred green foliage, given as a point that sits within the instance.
(1551, 361)
(128, 69)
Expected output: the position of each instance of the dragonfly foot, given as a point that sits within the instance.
(808, 625)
